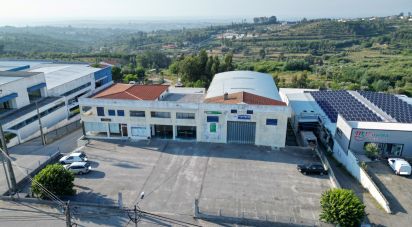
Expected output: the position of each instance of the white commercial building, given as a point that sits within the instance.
(239, 107)
(349, 120)
(51, 87)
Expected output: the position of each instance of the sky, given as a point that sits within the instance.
(26, 10)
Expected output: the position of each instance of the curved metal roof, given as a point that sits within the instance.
(261, 84)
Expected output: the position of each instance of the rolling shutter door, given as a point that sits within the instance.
(241, 132)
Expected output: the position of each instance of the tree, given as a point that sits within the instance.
(140, 72)
(117, 73)
(341, 207)
(228, 63)
(215, 66)
(56, 179)
(371, 150)
(203, 58)
(129, 77)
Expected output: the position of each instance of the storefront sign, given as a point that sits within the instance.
(243, 117)
(105, 119)
(213, 112)
(362, 135)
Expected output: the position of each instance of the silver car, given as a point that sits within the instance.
(78, 167)
(73, 157)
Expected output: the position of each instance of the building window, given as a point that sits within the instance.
(156, 114)
(34, 118)
(212, 119)
(249, 111)
(185, 115)
(86, 108)
(134, 113)
(233, 111)
(120, 113)
(112, 113)
(100, 111)
(77, 89)
(271, 121)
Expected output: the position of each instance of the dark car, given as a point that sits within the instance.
(312, 168)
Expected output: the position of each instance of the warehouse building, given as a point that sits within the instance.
(349, 120)
(239, 107)
(53, 88)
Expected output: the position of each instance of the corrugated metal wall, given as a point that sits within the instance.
(241, 132)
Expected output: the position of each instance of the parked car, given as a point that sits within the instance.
(400, 166)
(312, 168)
(73, 157)
(78, 167)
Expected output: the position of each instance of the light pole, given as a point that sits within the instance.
(43, 139)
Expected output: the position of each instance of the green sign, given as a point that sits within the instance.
(213, 127)
(213, 112)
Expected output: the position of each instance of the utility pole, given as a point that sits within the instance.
(135, 216)
(68, 216)
(8, 162)
(43, 139)
(5, 171)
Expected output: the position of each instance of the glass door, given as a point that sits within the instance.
(396, 149)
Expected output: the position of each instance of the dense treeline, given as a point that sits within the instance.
(198, 70)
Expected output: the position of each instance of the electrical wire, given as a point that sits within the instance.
(44, 189)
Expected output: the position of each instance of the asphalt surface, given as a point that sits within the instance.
(236, 181)
(28, 156)
(398, 192)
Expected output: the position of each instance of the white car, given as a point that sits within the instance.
(400, 166)
(73, 157)
(78, 167)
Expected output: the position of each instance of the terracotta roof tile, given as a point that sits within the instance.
(245, 97)
(132, 92)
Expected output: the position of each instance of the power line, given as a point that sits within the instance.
(44, 189)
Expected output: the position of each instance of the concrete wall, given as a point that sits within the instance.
(351, 163)
(267, 135)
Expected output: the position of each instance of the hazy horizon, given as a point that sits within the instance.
(46, 12)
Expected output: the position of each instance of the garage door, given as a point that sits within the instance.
(241, 132)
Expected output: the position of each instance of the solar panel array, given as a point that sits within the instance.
(392, 105)
(341, 102)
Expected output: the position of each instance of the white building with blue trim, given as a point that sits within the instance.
(55, 87)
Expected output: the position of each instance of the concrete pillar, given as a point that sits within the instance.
(174, 131)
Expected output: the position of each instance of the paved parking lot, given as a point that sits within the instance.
(233, 180)
(398, 192)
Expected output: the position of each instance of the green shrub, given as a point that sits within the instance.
(56, 179)
(371, 150)
(341, 207)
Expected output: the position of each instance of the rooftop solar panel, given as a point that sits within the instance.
(392, 105)
(341, 102)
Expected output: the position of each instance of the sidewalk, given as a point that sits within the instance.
(28, 156)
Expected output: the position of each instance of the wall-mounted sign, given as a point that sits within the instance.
(213, 112)
(243, 117)
(213, 127)
(362, 135)
(105, 119)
